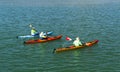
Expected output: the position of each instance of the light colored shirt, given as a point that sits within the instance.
(77, 43)
(42, 35)
(33, 32)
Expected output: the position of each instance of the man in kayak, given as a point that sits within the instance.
(77, 42)
(42, 35)
(33, 30)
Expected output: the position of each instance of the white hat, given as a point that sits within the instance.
(77, 38)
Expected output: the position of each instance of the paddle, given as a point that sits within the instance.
(31, 26)
(68, 38)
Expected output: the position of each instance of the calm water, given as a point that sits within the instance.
(87, 22)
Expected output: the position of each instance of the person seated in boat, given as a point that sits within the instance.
(34, 31)
(42, 35)
(77, 42)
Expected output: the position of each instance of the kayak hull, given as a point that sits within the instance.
(31, 36)
(43, 40)
(91, 43)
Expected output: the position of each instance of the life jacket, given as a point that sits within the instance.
(33, 32)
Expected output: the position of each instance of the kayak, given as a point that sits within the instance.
(51, 38)
(72, 47)
(31, 36)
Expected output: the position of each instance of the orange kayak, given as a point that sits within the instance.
(44, 40)
(87, 44)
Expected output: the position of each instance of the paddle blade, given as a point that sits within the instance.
(30, 26)
(68, 39)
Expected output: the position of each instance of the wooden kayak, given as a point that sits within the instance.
(87, 44)
(51, 38)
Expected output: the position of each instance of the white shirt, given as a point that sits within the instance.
(77, 43)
